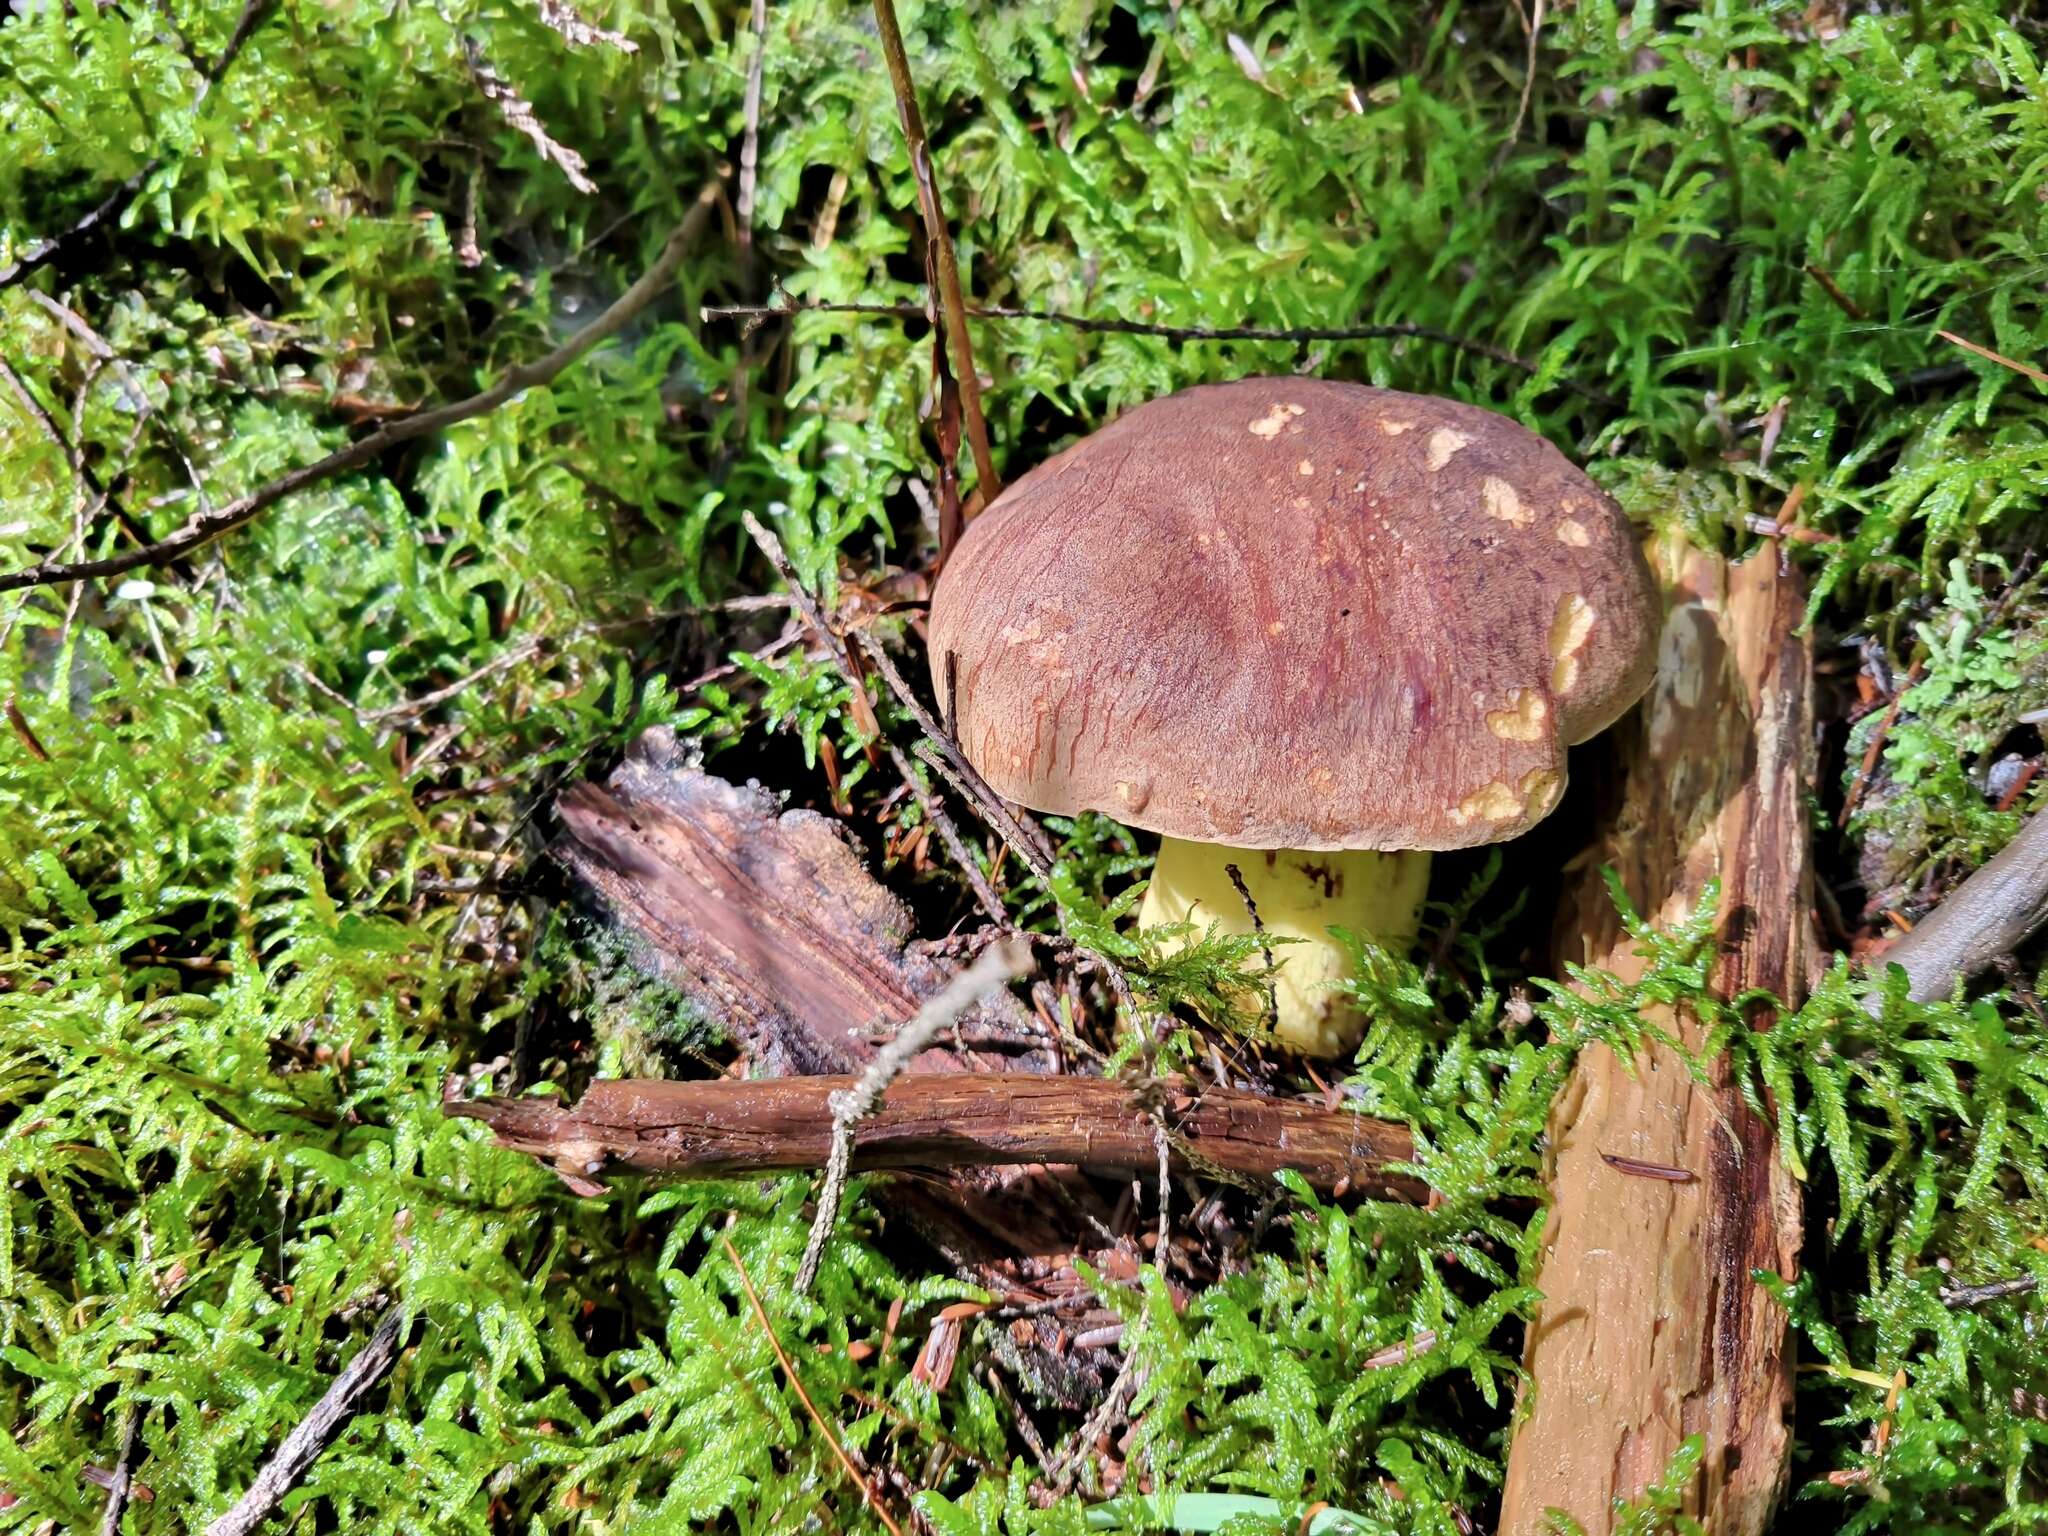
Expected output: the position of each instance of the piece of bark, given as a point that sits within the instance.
(949, 1120)
(765, 919)
(768, 923)
(1651, 1328)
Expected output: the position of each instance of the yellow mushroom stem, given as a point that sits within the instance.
(1376, 896)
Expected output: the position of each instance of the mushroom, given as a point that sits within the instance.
(1306, 630)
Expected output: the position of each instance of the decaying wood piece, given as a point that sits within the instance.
(1651, 1328)
(947, 1120)
(768, 922)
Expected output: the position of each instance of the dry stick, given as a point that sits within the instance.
(116, 202)
(1875, 749)
(1507, 147)
(835, 645)
(1994, 1290)
(102, 494)
(1025, 837)
(1402, 331)
(1997, 357)
(124, 1478)
(1002, 963)
(867, 1492)
(1988, 915)
(205, 527)
(750, 140)
(941, 242)
(1097, 1424)
(956, 845)
(302, 1447)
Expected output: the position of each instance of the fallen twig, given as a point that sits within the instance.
(1500, 157)
(110, 208)
(579, 32)
(867, 1492)
(1001, 963)
(1992, 1290)
(956, 845)
(102, 494)
(940, 242)
(750, 141)
(787, 304)
(1410, 1348)
(1244, 894)
(1996, 357)
(1097, 1425)
(122, 1481)
(302, 1447)
(1989, 914)
(1833, 290)
(205, 527)
(722, 1126)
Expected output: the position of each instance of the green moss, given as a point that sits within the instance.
(256, 906)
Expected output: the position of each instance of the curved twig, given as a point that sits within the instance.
(205, 527)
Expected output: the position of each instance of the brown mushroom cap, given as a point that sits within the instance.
(1296, 613)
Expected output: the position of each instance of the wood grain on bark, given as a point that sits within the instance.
(766, 920)
(1651, 1328)
(950, 1119)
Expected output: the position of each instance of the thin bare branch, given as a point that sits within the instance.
(123, 1481)
(110, 208)
(579, 32)
(867, 1491)
(750, 139)
(724, 1127)
(520, 114)
(208, 526)
(786, 304)
(951, 298)
(302, 1447)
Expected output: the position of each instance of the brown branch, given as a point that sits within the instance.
(1988, 915)
(1965, 1296)
(205, 527)
(842, 659)
(948, 1120)
(110, 208)
(1875, 749)
(787, 304)
(941, 246)
(302, 1447)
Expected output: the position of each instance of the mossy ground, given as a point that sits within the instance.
(257, 904)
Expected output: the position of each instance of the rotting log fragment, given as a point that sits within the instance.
(1651, 1328)
(949, 1120)
(766, 920)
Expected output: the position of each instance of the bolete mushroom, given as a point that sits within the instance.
(1310, 629)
